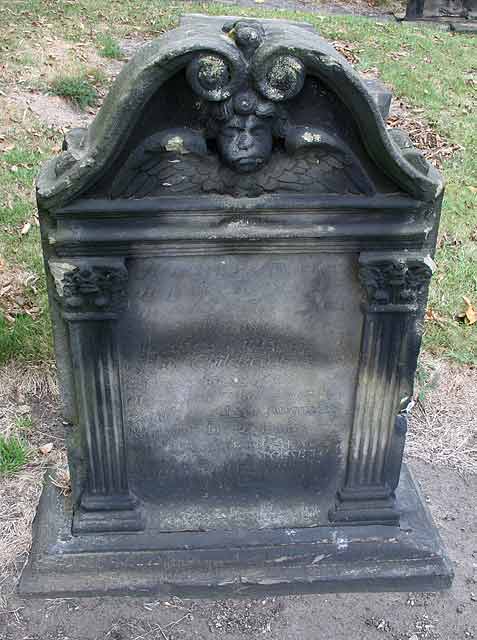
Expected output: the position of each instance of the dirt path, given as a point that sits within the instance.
(348, 8)
(398, 616)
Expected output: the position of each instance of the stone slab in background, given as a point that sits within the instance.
(461, 15)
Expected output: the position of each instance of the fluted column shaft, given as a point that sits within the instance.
(92, 296)
(396, 286)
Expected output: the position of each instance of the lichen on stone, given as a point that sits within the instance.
(58, 271)
(308, 136)
(176, 143)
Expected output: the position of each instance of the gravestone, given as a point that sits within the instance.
(238, 254)
(461, 14)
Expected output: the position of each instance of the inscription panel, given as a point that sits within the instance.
(239, 373)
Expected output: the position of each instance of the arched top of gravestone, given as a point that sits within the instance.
(231, 127)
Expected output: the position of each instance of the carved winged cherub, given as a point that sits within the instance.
(246, 146)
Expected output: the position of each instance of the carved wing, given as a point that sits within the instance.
(316, 170)
(167, 163)
(320, 162)
(333, 171)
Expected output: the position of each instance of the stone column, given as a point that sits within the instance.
(92, 294)
(396, 287)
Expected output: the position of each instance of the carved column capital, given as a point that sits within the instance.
(394, 282)
(90, 290)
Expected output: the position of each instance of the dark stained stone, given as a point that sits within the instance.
(238, 255)
(461, 14)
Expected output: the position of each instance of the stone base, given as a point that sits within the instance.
(107, 521)
(464, 27)
(451, 23)
(101, 514)
(409, 557)
(362, 510)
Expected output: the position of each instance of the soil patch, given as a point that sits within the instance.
(349, 8)
(29, 81)
(51, 110)
(443, 426)
(395, 616)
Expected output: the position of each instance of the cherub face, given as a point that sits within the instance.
(245, 142)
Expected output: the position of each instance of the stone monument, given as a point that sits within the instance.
(238, 254)
(460, 14)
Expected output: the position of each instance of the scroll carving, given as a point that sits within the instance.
(246, 144)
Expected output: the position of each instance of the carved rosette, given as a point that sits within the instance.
(275, 76)
(281, 77)
(214, 78)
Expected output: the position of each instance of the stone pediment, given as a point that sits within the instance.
(236, 108)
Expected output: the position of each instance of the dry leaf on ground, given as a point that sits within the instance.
(62, 480)
(348, 50)
(432, 316)
(45, 449)
(16, 287)
(469, 315)
(433, 146)
(25, 229)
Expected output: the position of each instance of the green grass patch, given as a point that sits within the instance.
(24, 423)
(426, 379)
(109, 47)
(77, 89)
(26, 339)
(14, 454)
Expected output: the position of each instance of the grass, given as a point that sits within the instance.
(426, 380)
(14, 454)
(25, 339)
(412, 58)
(77, 89)
(24, 423)
(442, 430)
(109, 47)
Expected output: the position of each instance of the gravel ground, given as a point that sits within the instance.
(397, 616)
